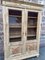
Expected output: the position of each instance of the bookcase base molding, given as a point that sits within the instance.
(22, 27)
(24, 56)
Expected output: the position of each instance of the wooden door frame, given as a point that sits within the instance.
(38, 34)
(6, 30)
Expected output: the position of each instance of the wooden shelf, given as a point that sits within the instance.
(14, 26)
(31, 35)
(15, 36)
(15, 15)
(19, 26)
(32, 26)
(32, 17)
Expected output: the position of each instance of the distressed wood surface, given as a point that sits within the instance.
(1, 30)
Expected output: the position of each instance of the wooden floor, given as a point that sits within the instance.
(41, 57)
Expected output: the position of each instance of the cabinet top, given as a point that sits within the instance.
(24, 1)
(22, 4)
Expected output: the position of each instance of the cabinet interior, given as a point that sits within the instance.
(32, 25)
(15, 21)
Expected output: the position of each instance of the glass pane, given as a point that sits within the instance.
(32, 14)
(31, 31)
(15, 17)
(15, 20)
(32, 25)
(32, 21)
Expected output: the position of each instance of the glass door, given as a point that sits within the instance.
(15, 31)
(31, 43)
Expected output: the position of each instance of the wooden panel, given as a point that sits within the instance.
(16, 50)
(31, 46)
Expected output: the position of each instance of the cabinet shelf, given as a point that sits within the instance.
(17, 36)
(19, 26)
(32, 26)
(31, 35)
(15, 26)
(15, 16)
(32, 17)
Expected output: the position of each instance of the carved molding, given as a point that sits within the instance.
(24, 5)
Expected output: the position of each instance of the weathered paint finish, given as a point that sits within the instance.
(1, 31)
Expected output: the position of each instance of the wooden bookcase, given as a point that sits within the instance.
(22, 26)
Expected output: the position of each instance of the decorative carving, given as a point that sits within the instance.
(35, 46)
(31, 46)
(15, 50)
